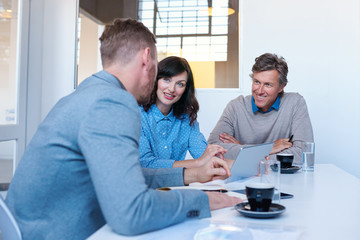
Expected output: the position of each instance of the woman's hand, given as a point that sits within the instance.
(212, 150)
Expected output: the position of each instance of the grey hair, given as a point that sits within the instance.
(269, 61)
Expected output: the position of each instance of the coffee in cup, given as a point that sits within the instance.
(286, 159)
(259, 196)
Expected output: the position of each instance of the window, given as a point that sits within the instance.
(201, 31)
(13, 66)
(205, 32)
(8, 61)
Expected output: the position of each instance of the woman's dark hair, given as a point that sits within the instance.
(169, 67)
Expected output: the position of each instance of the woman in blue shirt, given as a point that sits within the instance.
(168, 122)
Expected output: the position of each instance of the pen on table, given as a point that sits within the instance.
(215, 190)
(291, 137)
(205, 190)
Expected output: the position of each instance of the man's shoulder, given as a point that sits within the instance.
(241, 99)
(95, 94)
(99, 89)
(291, 96)
(292, 99)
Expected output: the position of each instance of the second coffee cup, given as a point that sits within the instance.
(259, 196)
(286, 159)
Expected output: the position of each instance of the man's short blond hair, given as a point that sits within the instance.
(122, 39)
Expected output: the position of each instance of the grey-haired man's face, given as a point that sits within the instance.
(266, 88)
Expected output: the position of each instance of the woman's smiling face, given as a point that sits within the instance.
(169, 91)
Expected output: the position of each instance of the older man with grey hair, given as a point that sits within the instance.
(268, 115)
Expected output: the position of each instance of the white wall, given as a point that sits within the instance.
(52, 48)
(321, 42)
(59, 38)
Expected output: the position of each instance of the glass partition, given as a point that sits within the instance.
(8, 61)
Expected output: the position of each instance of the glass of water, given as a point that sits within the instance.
(308, 157)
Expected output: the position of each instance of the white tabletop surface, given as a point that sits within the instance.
(326, 205)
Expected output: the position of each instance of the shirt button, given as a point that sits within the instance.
(165, 147)
(163, 133)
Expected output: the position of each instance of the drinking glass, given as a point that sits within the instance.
(270, 173)
(308, 157)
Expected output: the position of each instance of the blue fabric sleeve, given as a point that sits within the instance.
(163, 177)
(197, 142)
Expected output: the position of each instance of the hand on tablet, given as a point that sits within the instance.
(212, 150)
(229, 162)
(214, 168)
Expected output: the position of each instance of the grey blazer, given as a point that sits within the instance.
(81, 170)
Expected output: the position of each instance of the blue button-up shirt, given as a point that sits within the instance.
(275, 106)
(166, 139)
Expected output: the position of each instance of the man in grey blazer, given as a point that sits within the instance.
(81, 169)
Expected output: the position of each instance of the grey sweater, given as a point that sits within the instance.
(250, 128)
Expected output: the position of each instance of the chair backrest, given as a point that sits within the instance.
(8, 226)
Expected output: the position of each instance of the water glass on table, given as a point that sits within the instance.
(270, 174)
(308, 157)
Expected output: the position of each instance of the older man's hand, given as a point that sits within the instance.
(226, 138)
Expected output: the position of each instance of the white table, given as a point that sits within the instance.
(326, 205)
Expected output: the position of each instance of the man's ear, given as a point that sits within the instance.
(282, 88)
(146, 56)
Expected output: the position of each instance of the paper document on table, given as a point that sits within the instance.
(212, 184)
(222, 184)
(217, 185)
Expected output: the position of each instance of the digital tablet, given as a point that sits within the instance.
(247, 161)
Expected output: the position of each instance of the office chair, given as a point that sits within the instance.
(8, 226)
